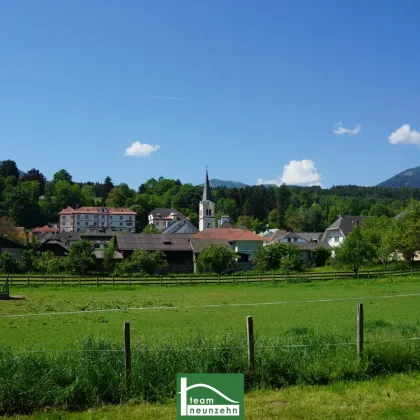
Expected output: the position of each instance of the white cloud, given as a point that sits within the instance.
(405, 135)
(296, 172)
(138, 149)
(339, 130)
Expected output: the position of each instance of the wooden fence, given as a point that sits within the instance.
(165, 280)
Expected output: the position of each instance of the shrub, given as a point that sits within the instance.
(319, 256)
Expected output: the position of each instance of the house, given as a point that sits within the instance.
(55, 243)
(181, 226)
(161, 218)
(13, 246)
(297, 237)
(243, 242)
(99, 238)
(83, 218)
(334, 235)
(307, 247)
(177, 248)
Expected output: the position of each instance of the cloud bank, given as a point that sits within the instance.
(340, 130)
(296, 172)
(138, 149)
(404, 135)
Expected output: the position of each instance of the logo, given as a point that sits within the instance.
(210, 395)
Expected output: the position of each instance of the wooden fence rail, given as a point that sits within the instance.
(166, 280)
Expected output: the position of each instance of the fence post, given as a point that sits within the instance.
(273, 277)
(190, 279)
(335, 275)
(45, 280)
(247, 278)
(79, 281)
(28, 280)
(129, 281)
(368, 275)
(127, 355)
(113, 280)
(401, 272)
(97, 280)
(218, 278)
(322, 275)
(260, 278)
(360, 319)
(204, 279)
(62, 280)
(250, 343)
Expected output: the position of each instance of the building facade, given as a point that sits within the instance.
(161, 218)
(84, 218)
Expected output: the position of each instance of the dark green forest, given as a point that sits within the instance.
(31, 200)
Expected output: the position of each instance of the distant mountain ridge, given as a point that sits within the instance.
(216, 183)
(408, 178)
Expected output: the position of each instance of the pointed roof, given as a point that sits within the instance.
(207, 190)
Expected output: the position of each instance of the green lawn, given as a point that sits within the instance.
(182, 313)
(394, 397)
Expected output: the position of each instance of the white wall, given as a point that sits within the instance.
(207, 215)
(335, 237)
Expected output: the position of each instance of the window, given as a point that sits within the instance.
(129, 224)
(103, 224)
(121, 217)
(289, 239)
(121, 223)
(157, 224)
(208, 225)
(130, 218)
(78, 216)
(336, 239)
(209, 212)
(102, 216)
(78, 223)
(86, 223)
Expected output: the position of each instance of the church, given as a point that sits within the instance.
(207, 212)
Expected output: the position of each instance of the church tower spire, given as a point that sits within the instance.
(207, 207)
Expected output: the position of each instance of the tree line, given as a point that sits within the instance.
(32, 200)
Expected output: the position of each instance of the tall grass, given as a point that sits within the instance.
(94, 374)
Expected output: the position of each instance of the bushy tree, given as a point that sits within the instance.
(291, 261)
(46, 263)
(355, 251)
(149, 228)
(408, 231)
(319, 256)
(269, 257)
(80, 258)
(9, 168)
(216, 258)
(143, 262)
(108, 253)
(36, 175)
(8, 264)
(62, 175)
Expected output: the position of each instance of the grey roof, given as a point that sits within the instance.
(290, 235)
(54, 242)
(65, 237)
(153, 242)
(278, 235)
(100, 254)
(109, 234)
(181, 226)
(197, 244)
(310, 236)
(165, 212)
(207, 190)
(312, 245)
(12, 241)
(346, 223)
(400, 215)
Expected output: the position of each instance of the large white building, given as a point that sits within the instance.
(115, 218)
(161, 218)
(207, 213)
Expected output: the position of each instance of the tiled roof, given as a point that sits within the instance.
(163, 213)
(110, 210)
(153, 242)
(100, 255)
(44, 229)
(229, 234)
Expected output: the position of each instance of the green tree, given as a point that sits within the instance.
(379, 210)
(7, 263)
(355, 251)
(108, 186)
(291, 261)
(216, 258)
(46, 263)
(87, 194)
(36, 175)
(9, 168)
(150, 229)
(382, 234)
(269, 257)
(116, 198)
(80, 257)
(143, 262)
(62, 175)
(320, 256)
(109, 252)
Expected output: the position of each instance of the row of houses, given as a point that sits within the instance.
(181, 241)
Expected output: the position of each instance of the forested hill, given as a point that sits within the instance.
(32, 200)
(408, 178)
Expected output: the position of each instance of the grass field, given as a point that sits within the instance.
(61, 346)
(389, 398)
(182, 314)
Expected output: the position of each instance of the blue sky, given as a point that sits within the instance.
(254, 88)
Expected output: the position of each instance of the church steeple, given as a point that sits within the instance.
(207, 207)
(207, 190)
